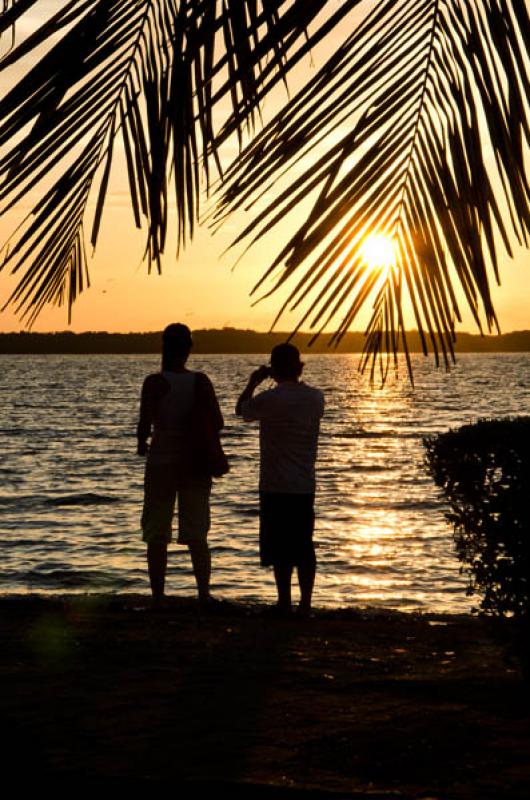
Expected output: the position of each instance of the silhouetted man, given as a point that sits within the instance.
(168, 400)
(289, 417)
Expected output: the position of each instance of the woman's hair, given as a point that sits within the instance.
(176, 344)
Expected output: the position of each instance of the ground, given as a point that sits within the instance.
(97, 691)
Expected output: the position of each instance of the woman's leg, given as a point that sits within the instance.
(159, 504)
(194, 524)
(202, 567)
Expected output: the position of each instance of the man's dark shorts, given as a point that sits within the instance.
(286, 529)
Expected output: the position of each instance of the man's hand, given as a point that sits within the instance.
(143, 448)
(258, 376)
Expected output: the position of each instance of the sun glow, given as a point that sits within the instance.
(378, 252)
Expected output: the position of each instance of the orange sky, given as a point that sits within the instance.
(201, 289)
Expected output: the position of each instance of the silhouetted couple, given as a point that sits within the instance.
(180, 412)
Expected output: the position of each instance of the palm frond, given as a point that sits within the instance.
(432, 100)
(151, 72)
(11, 11)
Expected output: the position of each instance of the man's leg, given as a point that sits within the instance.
(306, 581)
(202, 567)
(282, 575)
(306, 561)
(157, 564)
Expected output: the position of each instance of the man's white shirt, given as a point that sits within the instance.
(289, 417)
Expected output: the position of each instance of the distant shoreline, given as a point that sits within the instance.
(232, 341)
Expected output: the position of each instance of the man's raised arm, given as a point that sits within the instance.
(257, 377)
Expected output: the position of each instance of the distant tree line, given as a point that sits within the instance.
(231, 340)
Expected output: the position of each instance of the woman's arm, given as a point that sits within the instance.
(154, 387)
(209, 401)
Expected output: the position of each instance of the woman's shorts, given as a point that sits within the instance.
(163, 487)
(286, 529)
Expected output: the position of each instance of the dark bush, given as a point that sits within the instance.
(484, 471)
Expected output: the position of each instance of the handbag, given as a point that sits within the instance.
(208, 456)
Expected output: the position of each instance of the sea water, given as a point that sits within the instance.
(71, 482)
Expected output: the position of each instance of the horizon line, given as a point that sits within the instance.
(229, 328)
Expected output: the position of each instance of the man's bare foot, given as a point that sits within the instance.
(212, 605)
(158, 602)
(303, 612)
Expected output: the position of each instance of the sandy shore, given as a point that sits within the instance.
(102, 690)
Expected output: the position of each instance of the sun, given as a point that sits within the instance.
(378, 252)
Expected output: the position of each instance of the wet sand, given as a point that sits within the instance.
(102, 693)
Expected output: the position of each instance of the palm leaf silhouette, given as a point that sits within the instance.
(423, 93)
(151, 72)
(431, 98)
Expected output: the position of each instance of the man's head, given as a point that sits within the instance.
(285, 363)
(176, 344)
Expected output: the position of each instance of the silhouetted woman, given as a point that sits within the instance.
(177, 407)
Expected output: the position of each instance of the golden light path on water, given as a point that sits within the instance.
(71, 484)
